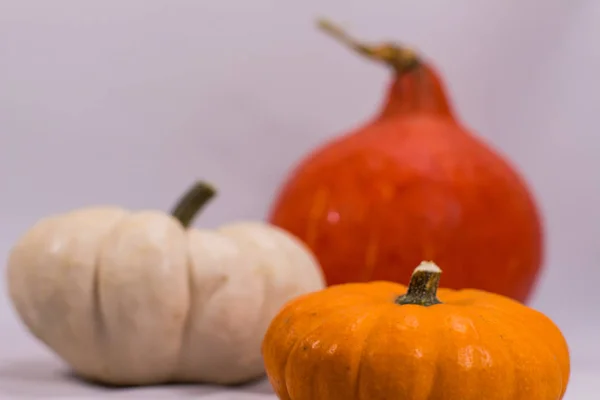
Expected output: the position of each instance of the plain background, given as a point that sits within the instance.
(129, 101)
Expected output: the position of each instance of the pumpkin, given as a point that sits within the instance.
(413, 184)
(137, 298)
(383, 341)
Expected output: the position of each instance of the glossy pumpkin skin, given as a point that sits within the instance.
(415, 184)
(353, 341)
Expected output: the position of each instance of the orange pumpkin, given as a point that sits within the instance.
(371, 341)
(415, 183)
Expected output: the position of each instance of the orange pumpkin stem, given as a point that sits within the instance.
(402, 59)
(416, 88)
(423, 286)
(192, 202)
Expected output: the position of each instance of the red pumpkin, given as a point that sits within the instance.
(414, 184)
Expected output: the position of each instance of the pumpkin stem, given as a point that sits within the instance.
(423, 286)
(416, 87)
(192, 202)
(402, 59)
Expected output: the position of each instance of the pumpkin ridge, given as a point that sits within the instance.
(302, 336)
(431, 395)
(517, 317)
(288, 310)
(105, 333)
(99, 317)
(435, 314)
(514, 355)
(293, 348)
(365, 344)
(187, 322)
(355, 321)
(495, 328)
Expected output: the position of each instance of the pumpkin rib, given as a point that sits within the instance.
(288, 378)
(187, 322)
(438, 313)
(504, 333)
(438, 370)
(496, 328)
(517, 317)
(201, 287)
(100, 317)
(154, 280)
(355, 322)
(277, 379)
(533, 341)
(364, 348)
(488, 337)
(522, 336)
(315, 301)
(428, 325)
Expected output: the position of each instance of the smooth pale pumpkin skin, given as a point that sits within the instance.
(351, 342)
(134, 298)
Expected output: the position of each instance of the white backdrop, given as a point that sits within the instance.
(128, 101)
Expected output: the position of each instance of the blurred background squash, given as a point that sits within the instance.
(413, 184)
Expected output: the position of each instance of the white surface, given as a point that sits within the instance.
(49, 380)
(44, 378)
(127, 101)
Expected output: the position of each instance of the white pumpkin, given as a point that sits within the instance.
(136, 298)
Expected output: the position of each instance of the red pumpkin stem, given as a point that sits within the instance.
(192, 202)
(423, 286)
(416, 87)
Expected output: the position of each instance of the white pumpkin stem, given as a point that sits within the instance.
(192, 202)
(423, 286)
